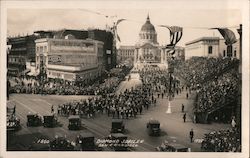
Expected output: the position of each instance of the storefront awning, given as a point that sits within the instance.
(32, 74)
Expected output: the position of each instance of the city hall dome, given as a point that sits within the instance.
(148, 33)
(148, 27)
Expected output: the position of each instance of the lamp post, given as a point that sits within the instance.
(170, 72)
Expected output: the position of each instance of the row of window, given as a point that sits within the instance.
(15, 60)
(127, 53)
(229, 52)
(41, 48)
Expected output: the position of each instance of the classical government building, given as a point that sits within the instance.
(211, 47)
(147, 50)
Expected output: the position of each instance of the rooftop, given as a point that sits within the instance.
(202, 39)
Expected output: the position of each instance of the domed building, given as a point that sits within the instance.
(147, 48)
(148, 33)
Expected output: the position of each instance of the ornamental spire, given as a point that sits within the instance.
(148, 19)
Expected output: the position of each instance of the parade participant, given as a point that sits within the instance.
(191, 135)
(184, 117)
(182, 108)
(52, 109)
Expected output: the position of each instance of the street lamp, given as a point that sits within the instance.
(170, 71)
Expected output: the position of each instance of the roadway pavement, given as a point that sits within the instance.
(172, 125)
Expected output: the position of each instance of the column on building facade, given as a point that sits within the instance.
(162, 57)
(135, 56)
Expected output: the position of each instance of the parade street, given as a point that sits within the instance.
(173, 129)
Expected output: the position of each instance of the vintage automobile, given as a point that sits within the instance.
(86, 142)
(117, 126)
(40, 144)
(120, 142)
(13, 123)
(49, 120)
(153, 127)
(172, 147)
(34, 120)
(74, 122)
(61, 144)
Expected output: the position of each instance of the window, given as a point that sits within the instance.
(224, 53)
(229, 51)
(235, 53)
(210, 50)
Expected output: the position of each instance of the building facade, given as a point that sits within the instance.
(21, 50)
(69, 59)
(210, 47)
(109, 52)
(147, 50)
(125, 53)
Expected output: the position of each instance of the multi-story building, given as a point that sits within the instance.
(125, 53)
(109, 52)
(211, 47)
(22, 50)
(69, 58)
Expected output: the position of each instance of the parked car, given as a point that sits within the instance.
(153, 127)
(74, 122)
(13, 123)
(34, 120)
(61, 144)
(86, 141)
(49, 120)
(120, 142)
(117, 126)
(173, 147)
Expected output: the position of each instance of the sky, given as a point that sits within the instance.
(195, 22)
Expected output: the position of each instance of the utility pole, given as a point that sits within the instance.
(239, 106)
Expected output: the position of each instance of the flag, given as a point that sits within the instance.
(228, 35)
(120, 20)
(175, 34)
(115, 29)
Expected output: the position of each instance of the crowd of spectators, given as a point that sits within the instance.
(219, 92)
(215, 80)
(159, 80)
(98, 87)
(198, 70)
(222, 141)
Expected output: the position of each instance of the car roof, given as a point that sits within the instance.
(177, 146)
(117, 120)
(74, 117)
(32, 114)
(86, 134)
(154, 122)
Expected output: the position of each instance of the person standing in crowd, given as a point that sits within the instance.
(162, 95)
(187, 95)
(52, 109)
(233, 123)
(191, 135)
(184, 117)
(14, 110)
(182, 108)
